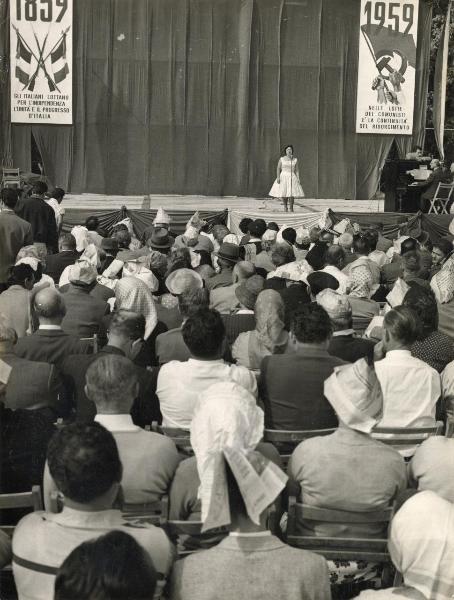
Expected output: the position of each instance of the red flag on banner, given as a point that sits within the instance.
(440, 77)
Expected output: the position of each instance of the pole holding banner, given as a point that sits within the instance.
(41, 59)
(386, 67)
(440, 81)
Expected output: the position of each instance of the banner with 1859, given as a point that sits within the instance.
(41, 61)
(386, 66)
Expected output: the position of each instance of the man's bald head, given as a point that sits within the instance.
(50, 306)
(243, 270)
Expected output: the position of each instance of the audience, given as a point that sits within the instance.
(113, 566)
(15, 302)
(421, 545)
(14, 233)
(250, 561)
(49, 343)
(291, 384)
(344, 343)
(67, 255)
(399, 372)
(149, 459)
(171, 345)
(41, 217)
(180, 383)
(291, 336)
(84, 313)
(432, 346)
(334, 471)
(84, 463)
(269, 335)
(124, 338)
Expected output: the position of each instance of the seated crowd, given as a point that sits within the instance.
(143, 373)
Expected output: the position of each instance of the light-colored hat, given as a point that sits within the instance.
(31, 261)
(302, 234)
(161, 217)
(183, 280)
(269, 235)
(355, 394)
(82, 273)
(336, 305)
(191, 234)
(196, 221)
(345, 240)
(231, 238)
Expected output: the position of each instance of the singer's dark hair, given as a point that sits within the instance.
(285, 149)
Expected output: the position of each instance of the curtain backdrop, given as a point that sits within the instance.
(199, 96)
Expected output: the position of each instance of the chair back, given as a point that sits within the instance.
(406, 436)
(338, 548)
(93, 342)
(32, 499)
(180, 437)
(10, 176)
(286, 440)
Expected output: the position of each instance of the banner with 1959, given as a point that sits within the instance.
(387, 66)
(41, 61)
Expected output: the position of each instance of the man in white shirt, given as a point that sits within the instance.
(180, 383)
(85, 465)
(55, 202)
(335, 261)
(410, 387)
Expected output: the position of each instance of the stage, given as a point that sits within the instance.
(216, 203)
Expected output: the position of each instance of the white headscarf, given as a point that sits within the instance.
(421, 545)
(133, 294)
(227, 426)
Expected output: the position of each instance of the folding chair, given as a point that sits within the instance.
(10, 177)
(369, 549)
(442, 196)
(449, 432)
(406, 436)
(286, 440)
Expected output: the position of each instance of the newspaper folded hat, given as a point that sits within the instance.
(161, 217)
(227, 426)
(81, 235)
(355, 394)
(196, 221)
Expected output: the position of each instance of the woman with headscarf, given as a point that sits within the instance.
(360, 290)
(237, 484)
(133, 294)
(421, 545)
(334, 471)
(269, 335)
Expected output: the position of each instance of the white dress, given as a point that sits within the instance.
(290, 186)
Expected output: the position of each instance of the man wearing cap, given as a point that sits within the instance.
(334, 262)
(291, 385)
(343, 344)
(67, 255)
(319, 281)
(228, 255)
(84, 312)
(349, 470)
(224, 299)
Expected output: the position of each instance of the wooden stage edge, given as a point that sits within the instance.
(215, 203)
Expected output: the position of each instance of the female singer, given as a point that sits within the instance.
(287, 185)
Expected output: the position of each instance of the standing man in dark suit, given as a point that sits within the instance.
(291, 385)
(438, 175)
(41, 217)
(67, 255)
(14, 234)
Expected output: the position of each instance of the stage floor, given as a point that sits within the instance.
(174, 202)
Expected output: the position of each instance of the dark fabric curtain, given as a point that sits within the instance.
(199, 96)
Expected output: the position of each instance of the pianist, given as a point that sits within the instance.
(416, 154)
(439, 175)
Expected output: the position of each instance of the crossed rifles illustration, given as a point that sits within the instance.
(41, 62)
